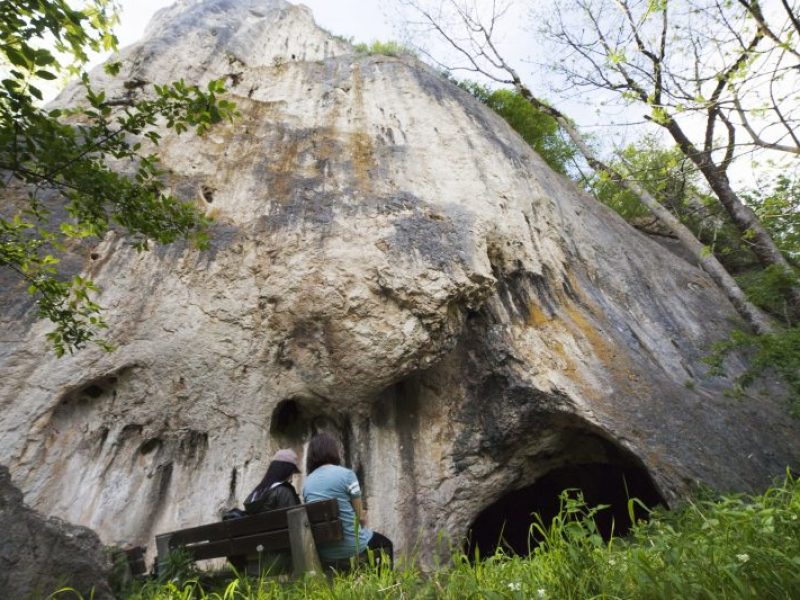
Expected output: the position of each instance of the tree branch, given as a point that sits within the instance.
(722, 83)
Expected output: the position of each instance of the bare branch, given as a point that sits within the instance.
(723, 81)
(792, 15)
(777, 109)
(754, 9)
(731, 145)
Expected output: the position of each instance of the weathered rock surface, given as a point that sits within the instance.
(390, 262)
(40, 555)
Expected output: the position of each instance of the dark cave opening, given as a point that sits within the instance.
(288, 423)
(295, 420)
(507, 521)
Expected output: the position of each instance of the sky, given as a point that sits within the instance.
(364, 20)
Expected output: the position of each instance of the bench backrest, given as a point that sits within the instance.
(267, 530)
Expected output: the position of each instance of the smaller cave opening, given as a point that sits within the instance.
(94, 391)
(508, 521)
(207, 193)
(295, 420)
(149, 446)
(287, 421)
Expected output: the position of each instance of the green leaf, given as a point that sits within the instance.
(112, 68)
(16, 57)
(41, 149)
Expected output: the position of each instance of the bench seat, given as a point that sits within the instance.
(270, 532)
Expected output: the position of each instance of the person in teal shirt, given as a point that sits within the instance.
(327, 479)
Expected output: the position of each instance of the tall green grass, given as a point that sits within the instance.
(732, 546)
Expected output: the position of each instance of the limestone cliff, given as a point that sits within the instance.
(389, 262)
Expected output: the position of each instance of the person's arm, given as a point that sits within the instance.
(358, 507)
(354, 491)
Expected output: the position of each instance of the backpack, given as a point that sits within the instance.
(234, 513)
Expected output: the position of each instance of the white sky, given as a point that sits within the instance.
(362, 19)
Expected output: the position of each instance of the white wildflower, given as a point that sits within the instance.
(743, 558)
(259, 548)
(540, 592)
(612, 562)
(514, 586)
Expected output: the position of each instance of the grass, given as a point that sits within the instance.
(732, 546)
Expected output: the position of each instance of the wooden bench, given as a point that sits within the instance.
(297, 529)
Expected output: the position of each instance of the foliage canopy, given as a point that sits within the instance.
(58, 186)
(673, 180)
(539, 130)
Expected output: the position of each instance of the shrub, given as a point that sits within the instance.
(779, 351)
(390, 48)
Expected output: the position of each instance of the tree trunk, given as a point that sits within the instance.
(742, 215)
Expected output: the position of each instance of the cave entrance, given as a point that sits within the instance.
(290, 422)
(507, 521)
(295, 420)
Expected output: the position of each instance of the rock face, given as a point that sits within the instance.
(40, 555)
(391, 263)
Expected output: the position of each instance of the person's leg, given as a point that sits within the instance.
(380, 543)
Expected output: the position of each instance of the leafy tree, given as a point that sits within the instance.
(539, 130)
(660, 170)
(669, 176)
(56, 161)
(699, 61)
(777, 205)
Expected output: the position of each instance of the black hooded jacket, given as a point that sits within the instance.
(282, 495)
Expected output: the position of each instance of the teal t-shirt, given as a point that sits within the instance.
(332, 481)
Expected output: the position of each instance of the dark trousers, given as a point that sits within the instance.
(380, 543)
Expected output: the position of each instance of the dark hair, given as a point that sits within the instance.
(323, 449)
(276, 472)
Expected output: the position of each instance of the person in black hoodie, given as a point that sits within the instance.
(275, 490)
